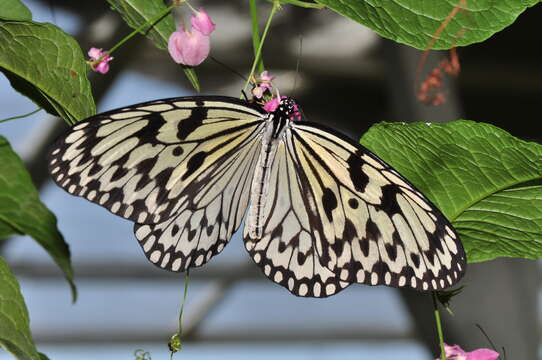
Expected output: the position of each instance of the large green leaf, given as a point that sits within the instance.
(487, 182)
(415, 22)
(138, 12)
(14, 10)
(22, 212)
(15, 334)
(47, 65)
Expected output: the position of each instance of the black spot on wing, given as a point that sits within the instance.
(174, 230)
(392, 251)
(372, 231)
(178, 151)
(388, 202)
(415, 259)
(353, 203)
(329, 200)
(149, 133)
(194, 163)
(195, 120)
(357, 176)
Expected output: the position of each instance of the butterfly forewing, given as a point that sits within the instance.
(373, 226)
(137, 161)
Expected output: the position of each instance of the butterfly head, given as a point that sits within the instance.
(287, 108)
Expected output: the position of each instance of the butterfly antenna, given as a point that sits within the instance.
(486, 336)
(298, 63)
(244, 94)
(228, 68)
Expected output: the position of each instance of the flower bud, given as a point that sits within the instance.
(201, 21)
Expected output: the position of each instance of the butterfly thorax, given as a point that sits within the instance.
(275, 126)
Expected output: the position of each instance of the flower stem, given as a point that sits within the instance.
(255, 32)
(186, 280)
(439, 326)
(150, 22)
(20, 116)
(276, 5)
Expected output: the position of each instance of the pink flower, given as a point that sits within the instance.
(456, 353)
(265, 77)
(188, 47)
(99, 60)
(258, 92)
(272, 105)
(264, 83)
(201, 21)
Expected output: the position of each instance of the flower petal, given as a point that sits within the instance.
(201, 21)
(483, 354)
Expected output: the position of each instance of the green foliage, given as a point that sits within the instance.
(45, 64)
(15, 334)
(487, 182)
(22, 212)
(14, 10)
(137, 12)
(415, 22)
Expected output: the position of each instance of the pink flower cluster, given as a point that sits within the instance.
(456, 353)
(99, 60)
(191, 47)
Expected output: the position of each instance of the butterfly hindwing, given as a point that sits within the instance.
(137, 161)
(286, 251)
(373, 226)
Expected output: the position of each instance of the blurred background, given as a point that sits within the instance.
(347, 77)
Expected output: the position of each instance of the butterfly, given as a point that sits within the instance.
(321, 211)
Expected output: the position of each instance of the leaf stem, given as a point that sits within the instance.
(255, 32)
(302, 4)
(439, 325)
(276, 5)
(150, 22)
(20, 116)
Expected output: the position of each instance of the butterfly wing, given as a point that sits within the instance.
(286, 252)
(138, 160)
(369, 224)
(211, 210)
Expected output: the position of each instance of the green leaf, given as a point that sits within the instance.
(138, 12)
(22, 211)
(487, 182)
(192, 77)
(14, 10)
(415, 22)
(15, 334)
(6, 231)
(45, 64)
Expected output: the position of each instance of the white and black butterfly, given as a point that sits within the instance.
(321, 211)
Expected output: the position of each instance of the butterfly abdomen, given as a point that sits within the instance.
(260, 182)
